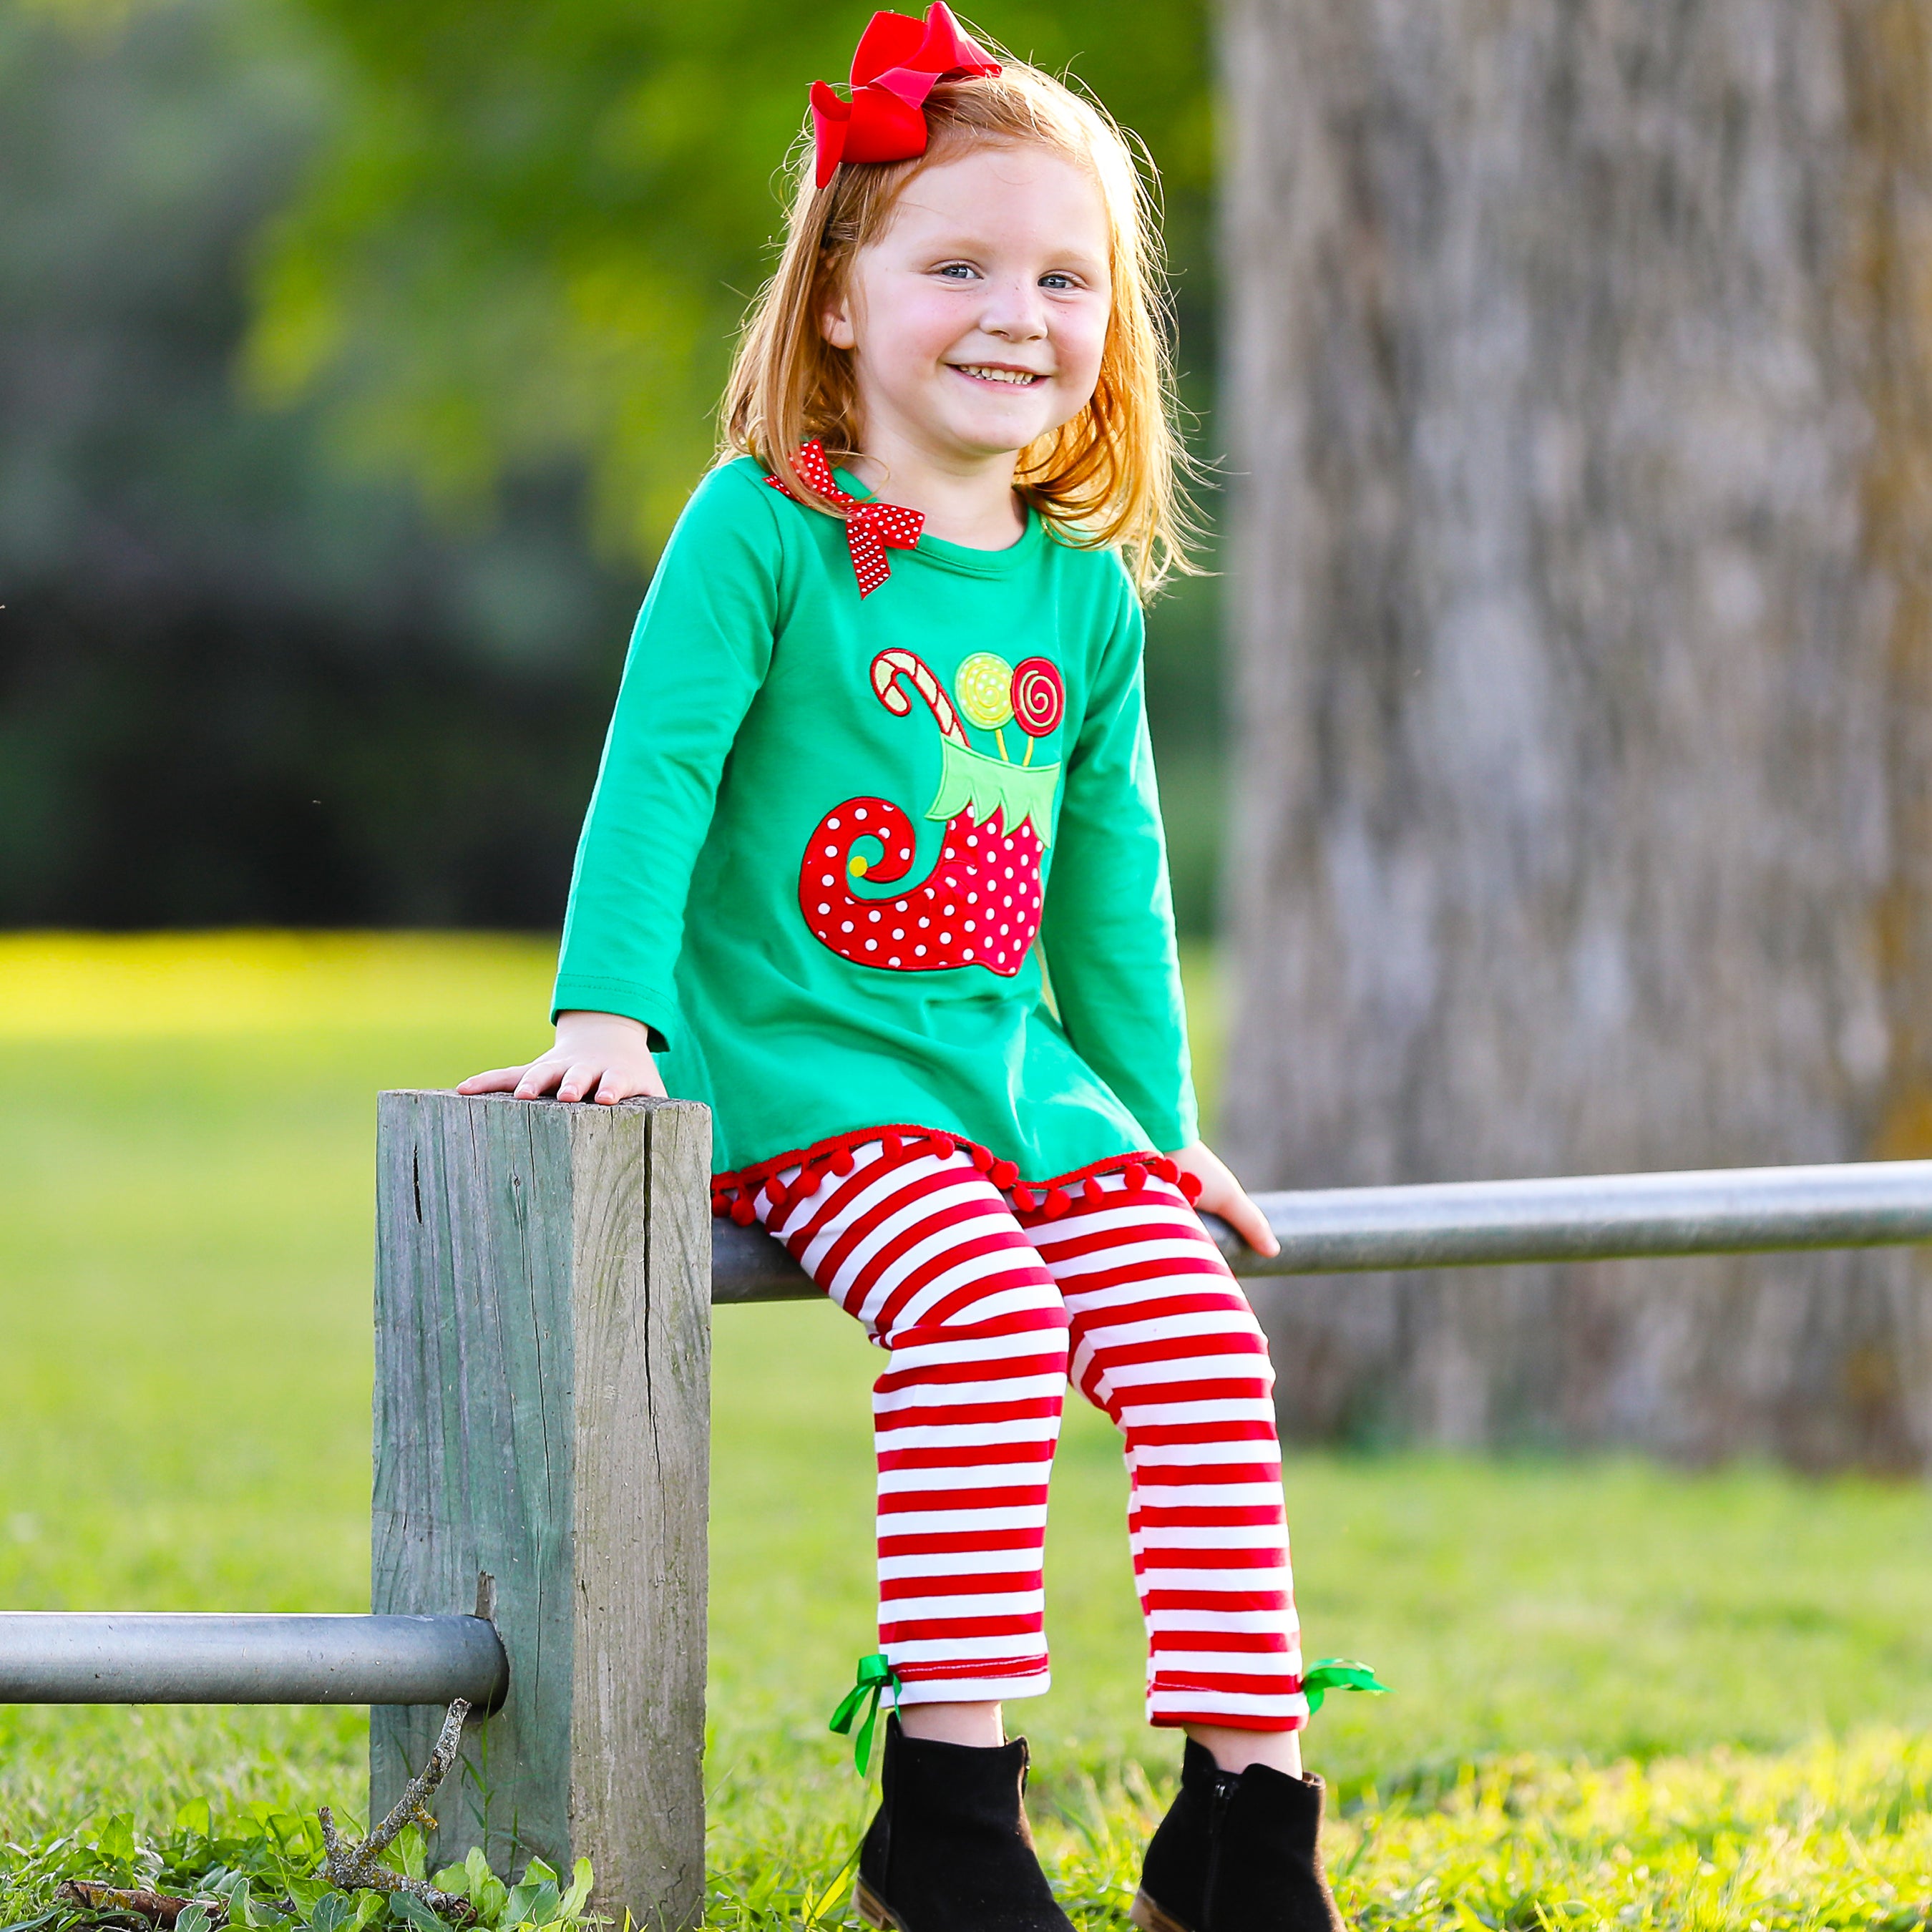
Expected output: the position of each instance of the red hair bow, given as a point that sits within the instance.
(870, 525)
(899, 62)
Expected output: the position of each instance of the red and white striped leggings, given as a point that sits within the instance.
(988, 1311)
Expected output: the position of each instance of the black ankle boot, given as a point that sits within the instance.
(1237, 1851)
(950, 1850)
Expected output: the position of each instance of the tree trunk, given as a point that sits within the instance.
(1579, 377)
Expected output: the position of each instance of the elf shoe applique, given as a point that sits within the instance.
(980, 905)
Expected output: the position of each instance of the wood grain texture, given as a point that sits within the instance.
(542, 1413)
(1578, 376)
(643, 1323)
(472, 1402)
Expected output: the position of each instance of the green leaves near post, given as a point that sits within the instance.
(257, 1872)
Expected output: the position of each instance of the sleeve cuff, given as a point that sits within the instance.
(656, 1012)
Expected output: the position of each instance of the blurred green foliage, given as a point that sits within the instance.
(533, 232)
(239, 679)
(353, 360)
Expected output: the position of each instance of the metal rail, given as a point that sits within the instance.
(1469, 1223)
(59, 1656)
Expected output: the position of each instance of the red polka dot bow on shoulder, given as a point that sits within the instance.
(869, 525)
(899, 62)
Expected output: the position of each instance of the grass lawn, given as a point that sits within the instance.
(1624, 1696)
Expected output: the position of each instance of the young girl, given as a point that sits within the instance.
(875, 868)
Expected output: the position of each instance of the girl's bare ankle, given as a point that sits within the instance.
(1235, 1750)
(978, 1724)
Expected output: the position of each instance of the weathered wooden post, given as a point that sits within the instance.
(543, 1289)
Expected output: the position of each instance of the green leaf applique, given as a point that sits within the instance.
(968, 778)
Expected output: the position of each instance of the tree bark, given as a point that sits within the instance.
(1579, 377)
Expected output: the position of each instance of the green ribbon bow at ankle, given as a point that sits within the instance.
(875, 1674)
(1338, 1673)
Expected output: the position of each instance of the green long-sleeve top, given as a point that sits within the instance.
(826, 828)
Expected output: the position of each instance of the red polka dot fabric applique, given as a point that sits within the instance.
(870, 526)
(981, 903)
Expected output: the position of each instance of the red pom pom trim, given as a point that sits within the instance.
(736, 1193)
(1190, 1186)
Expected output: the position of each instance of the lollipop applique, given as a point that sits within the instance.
(1038, 699)
(980, 905)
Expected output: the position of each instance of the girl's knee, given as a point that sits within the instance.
(1028, 1338)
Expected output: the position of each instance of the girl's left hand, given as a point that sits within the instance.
(1222, 1194)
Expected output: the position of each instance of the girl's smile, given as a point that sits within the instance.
(989, 372)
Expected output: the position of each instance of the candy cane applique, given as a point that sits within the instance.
(889, 667)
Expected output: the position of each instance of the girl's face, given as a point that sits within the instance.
(976, 321)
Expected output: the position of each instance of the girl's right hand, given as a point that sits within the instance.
(600, 1057)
